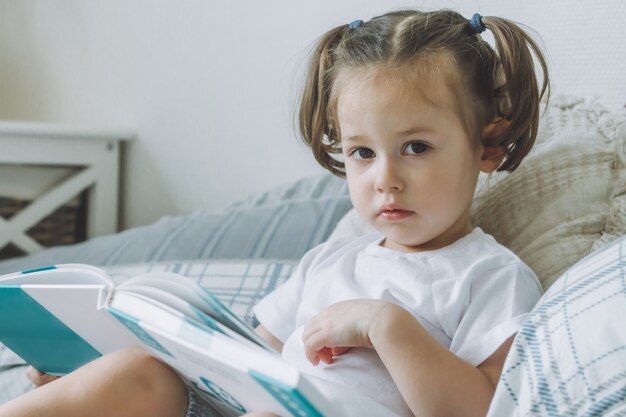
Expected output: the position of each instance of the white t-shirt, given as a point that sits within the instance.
(470, 296)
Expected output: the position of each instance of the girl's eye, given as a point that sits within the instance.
(362, 153)
(416, 148)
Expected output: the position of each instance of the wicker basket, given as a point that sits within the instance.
(66, 225)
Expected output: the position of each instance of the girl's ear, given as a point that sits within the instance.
(493, 156)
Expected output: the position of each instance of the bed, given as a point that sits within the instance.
(563, 211)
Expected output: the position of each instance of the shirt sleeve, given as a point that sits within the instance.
(278, 310)
(498, 302)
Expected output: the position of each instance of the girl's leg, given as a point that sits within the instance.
(127, 383)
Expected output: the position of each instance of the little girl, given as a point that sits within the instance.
(417, 318)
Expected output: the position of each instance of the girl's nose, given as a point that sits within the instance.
(388, 177)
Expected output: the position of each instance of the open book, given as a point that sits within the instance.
(58, 318)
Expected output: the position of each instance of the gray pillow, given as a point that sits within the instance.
(283, 223)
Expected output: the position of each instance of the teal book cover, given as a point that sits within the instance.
(39, 337)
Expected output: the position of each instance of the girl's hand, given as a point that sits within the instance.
(340, 327)
(38, 378)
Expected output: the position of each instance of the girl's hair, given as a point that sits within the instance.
(489, 84)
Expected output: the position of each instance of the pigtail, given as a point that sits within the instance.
(316, 128)
(519, 96)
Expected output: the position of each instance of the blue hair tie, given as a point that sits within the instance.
(476, 24)
(355, 24)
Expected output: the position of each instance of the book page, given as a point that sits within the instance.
(144, 307)
(198, 296)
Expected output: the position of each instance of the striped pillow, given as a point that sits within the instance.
(569, 358)
(283, 223)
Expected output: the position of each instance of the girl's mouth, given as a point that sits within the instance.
(395, 214)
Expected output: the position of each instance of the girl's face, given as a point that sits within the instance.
(410, 165)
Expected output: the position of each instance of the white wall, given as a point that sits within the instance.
(210, 85)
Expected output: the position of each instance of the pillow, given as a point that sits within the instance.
(283, 223)
(566, 199)
(569, 358)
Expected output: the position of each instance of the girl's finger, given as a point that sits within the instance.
(325, 355)
(39, 378)
(314, 345)
(310, 328)
(338, 351)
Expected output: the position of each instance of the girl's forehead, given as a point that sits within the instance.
(397, 84)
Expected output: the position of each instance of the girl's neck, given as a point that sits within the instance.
(447, 238)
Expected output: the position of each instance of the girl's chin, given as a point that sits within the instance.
(402, 245)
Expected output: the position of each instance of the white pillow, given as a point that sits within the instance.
(567, 198)
(569, 357)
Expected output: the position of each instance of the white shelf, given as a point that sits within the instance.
(94, 154)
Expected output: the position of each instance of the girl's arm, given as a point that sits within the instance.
(432, 380)
(269, 338)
